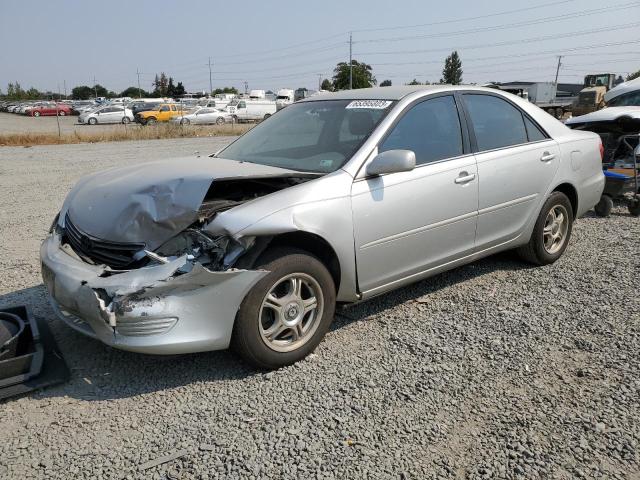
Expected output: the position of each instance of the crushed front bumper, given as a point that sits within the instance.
(156, 309)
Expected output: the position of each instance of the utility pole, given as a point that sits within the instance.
(65, 90)
(210, 81)
(350, 61)
(246, 87)
(319, 81)
(139, 89)
(58, 112)
(95, 88)
(557, 72)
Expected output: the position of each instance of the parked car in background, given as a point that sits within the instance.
(107, 114)
(204, 116)
(161, 113)
(625, 94)
(49, 109)
(338, 198)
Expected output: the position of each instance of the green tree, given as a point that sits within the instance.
(362, 75)
(100, 91)
(81, 92)
(180, 90)
(33, 94)
(171, 88)
(161, 84)
(414, 82)
(233, 90)
(326, 85)
(633, 76)
(385, 83)
(452, 71)
(133, 92)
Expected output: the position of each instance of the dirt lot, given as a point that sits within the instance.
(493, 370)
(12, 123)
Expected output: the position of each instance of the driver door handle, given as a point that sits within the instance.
(547, 157)
(464, 177)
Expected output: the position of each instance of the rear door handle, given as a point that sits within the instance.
(464, 177)
(547, 157)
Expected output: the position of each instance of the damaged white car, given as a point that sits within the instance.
(334, 199)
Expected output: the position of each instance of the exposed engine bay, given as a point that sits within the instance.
(215, 253)
(619, 138)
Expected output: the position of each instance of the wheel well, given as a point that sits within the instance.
(313, 244)
(571, 193)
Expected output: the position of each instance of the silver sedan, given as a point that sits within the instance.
(337, 198)
(204, 116)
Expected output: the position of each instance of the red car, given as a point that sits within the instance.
(50, 109)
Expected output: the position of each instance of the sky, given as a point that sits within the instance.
(48, 44)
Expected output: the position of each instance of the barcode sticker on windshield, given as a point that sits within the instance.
(373, 104)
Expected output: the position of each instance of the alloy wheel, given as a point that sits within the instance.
(291, 312)
(555, 229)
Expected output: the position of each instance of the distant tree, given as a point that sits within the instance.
(414, 82)
(133, 92)
(233, 90)
(171, 88)
(100, 91)
(452, 71)
(633, 76)
(82, 92)
(362, 75)
(160, 85)
(33, 94)
(385, 83)
(326, 85)
(180, 90)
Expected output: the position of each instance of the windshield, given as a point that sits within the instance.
(311, 136)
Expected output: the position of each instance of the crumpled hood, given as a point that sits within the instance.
(151, 202)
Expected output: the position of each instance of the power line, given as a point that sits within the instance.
(554, 18)
(608, 28)
(466, 19)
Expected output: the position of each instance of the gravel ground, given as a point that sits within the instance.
(12, 123)
(493, 370)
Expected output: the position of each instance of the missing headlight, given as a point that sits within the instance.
(197, 246)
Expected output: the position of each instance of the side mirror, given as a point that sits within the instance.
(392, 161)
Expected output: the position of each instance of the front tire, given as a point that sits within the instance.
(126, 120)
(220, 120)
(92, 121)
(288, 312)
(36, 114)
(61, 113)
(551, 232)
(151, 121)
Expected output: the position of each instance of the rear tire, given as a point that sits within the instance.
(126, 120)
(604, 206)
(634, 207)
(36, 114)
(61, 113)
(267, 115)
(551, 232)
(220, 120)
(185, 121)
(275, 305)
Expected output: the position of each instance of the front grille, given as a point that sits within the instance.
(112, 254)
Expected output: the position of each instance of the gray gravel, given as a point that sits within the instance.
(493, 370)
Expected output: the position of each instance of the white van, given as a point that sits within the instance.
(246, 110)
(284, 97)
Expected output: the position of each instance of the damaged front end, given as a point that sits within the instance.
(147, 288)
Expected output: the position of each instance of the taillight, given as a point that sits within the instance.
(601, 151)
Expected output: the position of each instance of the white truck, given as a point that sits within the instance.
(284, 97)
(219, 100)
(544, 94)
(244, 110)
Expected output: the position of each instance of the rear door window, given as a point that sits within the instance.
(533, 132)
(431, 129)
(496, 123)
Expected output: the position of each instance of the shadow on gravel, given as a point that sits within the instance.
(103, 373)
(501, 261)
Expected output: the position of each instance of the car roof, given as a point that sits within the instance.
(628, 86)
(390, 93)
(606, 115)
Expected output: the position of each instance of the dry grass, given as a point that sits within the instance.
(121, 133)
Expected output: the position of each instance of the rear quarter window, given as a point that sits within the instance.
(496, 123)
